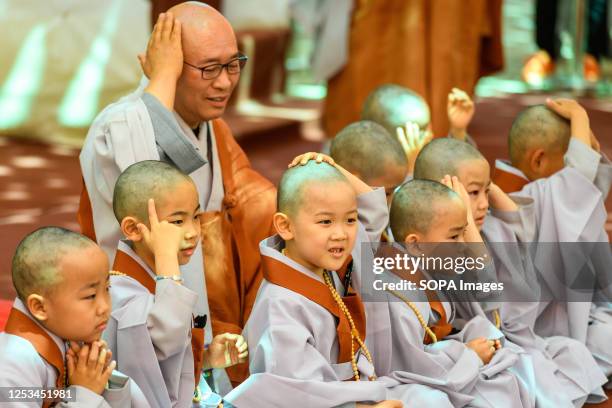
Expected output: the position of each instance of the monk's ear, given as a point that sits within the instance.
(37, 306)
(129, 228)
(282, 224)
(412, 243)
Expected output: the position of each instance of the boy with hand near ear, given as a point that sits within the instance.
(151, 327)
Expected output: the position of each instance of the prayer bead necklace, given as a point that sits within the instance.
(430, 333)
(354, 333)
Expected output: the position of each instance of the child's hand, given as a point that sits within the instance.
(454, 184)
(90, 369)
(164, 240)
(358, 185)
(382, 404)
(579, 120)
(595, 143)
(226, 350)
(499, 200)
(412, 141)
(164, 56)
(302, 159)
(485, 348)
(460, 110)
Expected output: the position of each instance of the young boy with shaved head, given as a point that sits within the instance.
(307, 329)
(555, 160)
(150, 330)
(52, 336)
(559, 362)
(468, 365)
(369, 152)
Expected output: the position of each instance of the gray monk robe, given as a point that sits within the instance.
(560, 363)
(31, 356)
(569, 209)
(149, 331)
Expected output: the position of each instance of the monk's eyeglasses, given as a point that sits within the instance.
(214, 70)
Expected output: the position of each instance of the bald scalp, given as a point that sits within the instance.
(415, 205)
(367, 149)
(443, 156)
(537, 127)
(35, 265)
(294, 181)
(199, 21)
(141, 181)
(392, 106)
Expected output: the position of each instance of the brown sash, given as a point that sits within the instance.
(280, 274)
(126, 264)
(508, 182)
(85, 215)
(442, 327)
(19, 324)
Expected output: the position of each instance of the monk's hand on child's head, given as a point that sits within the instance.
(484, 347)
(412, 141)
(302, 159)
(163, 238)
(226, 350)
(460, 110)
(164, 55)
(90, 368)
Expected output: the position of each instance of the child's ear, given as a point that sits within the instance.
(412, 244)
(537, 161)
(37, 307)
(129, 228)
(412, 239)
(282, 224)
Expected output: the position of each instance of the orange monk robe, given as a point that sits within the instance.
(429, 46)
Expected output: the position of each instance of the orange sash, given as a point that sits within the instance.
(19, 324)
(126, 264)
(508, 182)
(280, 274)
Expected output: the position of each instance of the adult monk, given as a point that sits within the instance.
(192, 64)
(429, 46)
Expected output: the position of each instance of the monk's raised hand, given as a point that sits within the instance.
(412, 141)
(568, 108)
(226, 350)
(302, 159)
(163, 238)
(164, 55)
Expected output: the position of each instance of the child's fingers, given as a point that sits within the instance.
(176, 32)
(153, 220)
(94, 353)
(70, 364)
(82, 360)
(167, 26)
(102, 359)
(401, 137)
(108, 371)
(74, 346)
(157, 29)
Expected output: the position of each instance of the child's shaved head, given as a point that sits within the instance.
(416, 205)
(443, 156)
(142, 181)
(392, 106)
(295, 180)
(35, 266)
(537, 126)
(367, 149)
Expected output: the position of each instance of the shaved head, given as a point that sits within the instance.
(141, 181)
(443, 156)
(366, 148)
(392, 106)
(292, 185)
(416, 205)
(35, 266)
(537, 127)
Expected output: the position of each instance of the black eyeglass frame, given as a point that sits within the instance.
(241, 58)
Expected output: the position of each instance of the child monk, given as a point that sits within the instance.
(560, 362)
(405, 115)
(469, 366)
(368, 151)
(150, 328)
(307, 327)
(555, 160)
(62, 280)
